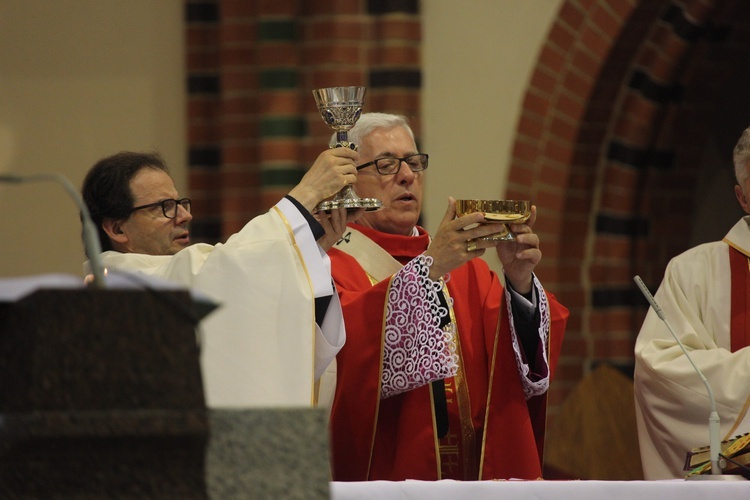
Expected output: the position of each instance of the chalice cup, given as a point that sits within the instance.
(500, 212)
(340, 108)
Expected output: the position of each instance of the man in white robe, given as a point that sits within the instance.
(705, 296)
(279, 322)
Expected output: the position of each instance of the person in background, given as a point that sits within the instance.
(445, 371)
(705, 296)
(279, 321)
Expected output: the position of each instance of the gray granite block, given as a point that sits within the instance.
(268, 453)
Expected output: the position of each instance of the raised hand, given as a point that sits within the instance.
(334, 169)
(335, 224)
(520, 256)
(455, 241)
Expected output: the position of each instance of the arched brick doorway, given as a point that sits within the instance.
(625, 143)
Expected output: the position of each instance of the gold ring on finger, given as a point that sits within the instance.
(471, 246)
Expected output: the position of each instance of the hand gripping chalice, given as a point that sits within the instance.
(340, 108)
(500, 212)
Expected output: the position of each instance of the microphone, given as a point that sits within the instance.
(91, 243)
(713, 419)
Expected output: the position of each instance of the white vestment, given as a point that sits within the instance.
(672, 403)
(262, 346)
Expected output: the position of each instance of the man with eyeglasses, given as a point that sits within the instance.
(445, 372)
(279, 323)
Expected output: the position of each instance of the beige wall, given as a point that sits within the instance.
(80, 79)
(478, 57)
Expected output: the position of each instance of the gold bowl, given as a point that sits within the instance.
(502, 212)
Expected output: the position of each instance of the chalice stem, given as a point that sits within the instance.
(342, 137)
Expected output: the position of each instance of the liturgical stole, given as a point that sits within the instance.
(740, 326)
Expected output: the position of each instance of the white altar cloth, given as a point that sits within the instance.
(541, 490)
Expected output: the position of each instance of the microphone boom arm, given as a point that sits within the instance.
(91, 242)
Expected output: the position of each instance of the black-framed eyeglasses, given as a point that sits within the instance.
(168, 207)
(390, 166)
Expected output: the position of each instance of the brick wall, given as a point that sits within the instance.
(609, 147)
(253, 125)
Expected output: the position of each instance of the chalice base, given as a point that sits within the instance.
(505, 235)
(369, 204)
(347, 198)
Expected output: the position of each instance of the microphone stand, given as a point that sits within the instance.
(91, 242)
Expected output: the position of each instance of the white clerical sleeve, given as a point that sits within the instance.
(330, 335)
(259, 347)
(671, 401)
(318, 262)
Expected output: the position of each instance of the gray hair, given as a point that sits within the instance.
(368, 122)
(741, 157)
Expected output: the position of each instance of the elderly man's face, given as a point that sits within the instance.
(401, 193)
(147, 230)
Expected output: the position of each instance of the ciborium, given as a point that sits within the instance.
(340, 108)
(500, 212)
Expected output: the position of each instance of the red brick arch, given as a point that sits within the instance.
(617, 112)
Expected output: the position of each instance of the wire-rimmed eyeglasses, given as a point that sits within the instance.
(168, 207)
(390, 166)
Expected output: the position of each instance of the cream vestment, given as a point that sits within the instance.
(262, 346)
(672, 404)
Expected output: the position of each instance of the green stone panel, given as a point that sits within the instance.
(292, 126)
(286, 176)
(279, 79)
(277, 30)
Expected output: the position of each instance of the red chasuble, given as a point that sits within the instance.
(740, 325)
(395, 438)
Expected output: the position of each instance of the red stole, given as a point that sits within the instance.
(740, 325)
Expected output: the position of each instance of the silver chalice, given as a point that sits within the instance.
(340, 108)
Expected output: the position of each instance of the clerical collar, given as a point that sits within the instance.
(401, 247)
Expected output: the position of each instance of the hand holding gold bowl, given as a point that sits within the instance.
(501, 212)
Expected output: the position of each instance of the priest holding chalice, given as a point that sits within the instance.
(446, 366)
